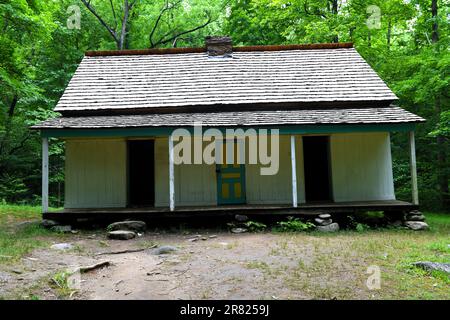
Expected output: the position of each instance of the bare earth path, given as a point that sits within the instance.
(224, 266)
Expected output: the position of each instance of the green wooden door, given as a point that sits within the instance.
(230, 181)
(230, 184)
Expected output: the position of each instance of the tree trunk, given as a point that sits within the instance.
(8, 122)
(388, 35)
(440, 140)
(334, 11)
(434, 14)
(124, 30)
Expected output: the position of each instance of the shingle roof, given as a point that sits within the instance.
(144, 81)
(244, 118)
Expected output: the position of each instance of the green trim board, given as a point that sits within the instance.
(165, 131)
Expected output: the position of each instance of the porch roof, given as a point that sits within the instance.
(372, 116)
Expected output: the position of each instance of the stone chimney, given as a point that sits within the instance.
(219, 46)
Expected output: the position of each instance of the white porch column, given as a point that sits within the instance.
(294, 173)
(44, 175)
(412, 154)
(171, 176)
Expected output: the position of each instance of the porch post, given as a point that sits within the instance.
(171, 176)
(412, 154)
(294, 173)
(44, 175)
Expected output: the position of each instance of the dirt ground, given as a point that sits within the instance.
(221, 266)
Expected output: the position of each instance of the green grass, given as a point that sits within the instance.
(18, 240)
(393, 250)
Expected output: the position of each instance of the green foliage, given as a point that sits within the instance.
(254, 226)
(39, 55)
(294, 225)
(361, 227)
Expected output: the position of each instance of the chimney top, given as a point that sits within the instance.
(219, 46)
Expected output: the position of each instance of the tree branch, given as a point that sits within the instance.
(165, 8)
(113, 12)
(174, 37)
(111, 31)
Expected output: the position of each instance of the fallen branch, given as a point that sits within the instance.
(93, 267)
(125, 251)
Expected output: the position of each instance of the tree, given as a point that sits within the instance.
(118, 30)
(117, 19)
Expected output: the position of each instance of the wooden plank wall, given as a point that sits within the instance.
(95, 173)
(362, 167)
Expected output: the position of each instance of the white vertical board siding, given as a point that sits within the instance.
(276, 189)
(162, 172)
(300, 170)
(361, 167)
(95, 173)
(195, 184)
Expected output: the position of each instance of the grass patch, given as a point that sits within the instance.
(16, 239)
(61, 281)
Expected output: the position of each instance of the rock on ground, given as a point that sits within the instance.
(333, 227)
(121, 235)
(164, 250)
(416, 225)
(238, 230)
(416, 218)
(323, 222)
(61, 229)
(48, 223)
(62, 246)
(325, 216)
(136, 226)
(433, 266)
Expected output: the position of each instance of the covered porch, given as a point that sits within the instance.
(170, 200)
(388, 206)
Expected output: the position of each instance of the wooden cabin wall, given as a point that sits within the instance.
(277, 189)
(362, 167)
(195, 184)
(95, 173)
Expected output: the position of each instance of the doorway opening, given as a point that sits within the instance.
(141, 173)
(316, 153)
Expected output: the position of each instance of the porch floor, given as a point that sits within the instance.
(229, 210)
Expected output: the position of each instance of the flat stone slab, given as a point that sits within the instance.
(325, 216)
(323, 222)
(121, 235)
(62, 246)
(165, 250)
(238, 230)
(416, 225)
(135, 226)
(333, 227)
(61, 229)
(416, 218)
(433, 266)
(48, 223)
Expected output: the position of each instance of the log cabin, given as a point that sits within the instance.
(333, 115)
